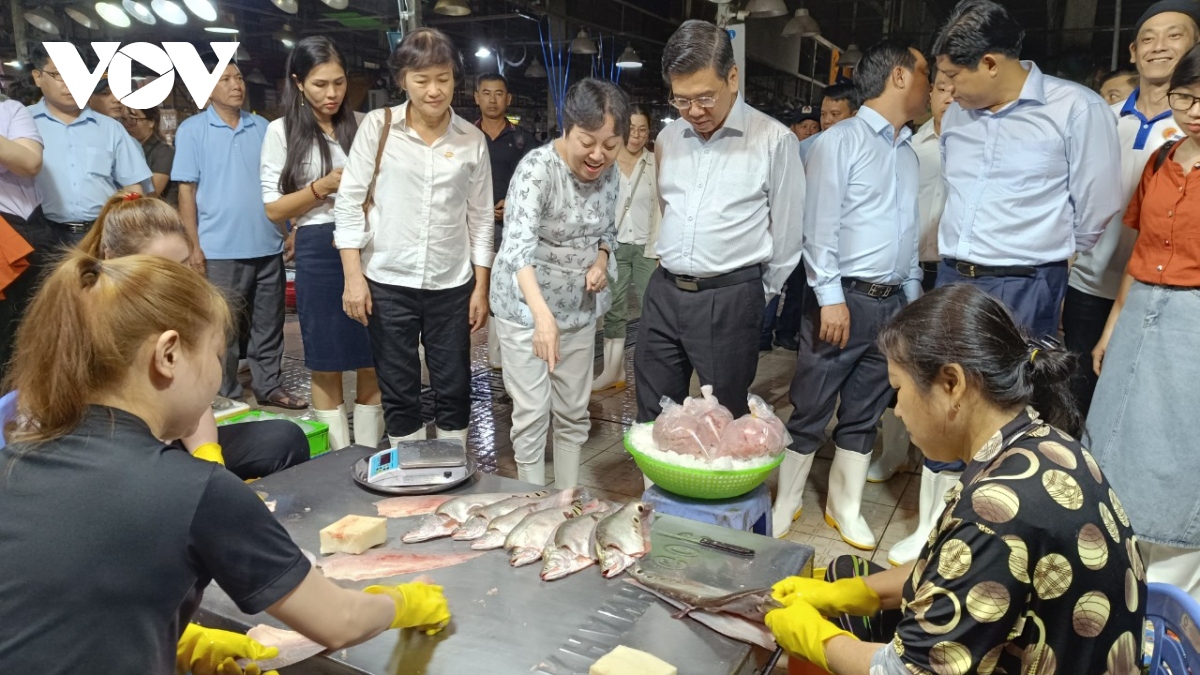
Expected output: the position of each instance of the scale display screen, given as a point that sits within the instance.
(383, 462)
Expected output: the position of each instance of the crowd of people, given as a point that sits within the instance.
(923, 276)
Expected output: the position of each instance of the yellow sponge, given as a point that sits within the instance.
(626, 661)
(353, 534)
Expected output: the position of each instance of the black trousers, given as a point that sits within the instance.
(1084, 316)
(880, 627)
(255, 289)
(788, 326)
(36, 231)
(257, 449)
(713, 332)
(400, 317)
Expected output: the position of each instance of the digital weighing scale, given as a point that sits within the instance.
(415, 467)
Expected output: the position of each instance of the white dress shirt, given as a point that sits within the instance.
(638, 214)
(1032, 183)
(1099, 271)
(860, 219)
(274, 155)
(432, 219)
(732, 201)
(931, 196)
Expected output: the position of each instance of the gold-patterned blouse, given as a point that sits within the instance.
(1033, 567)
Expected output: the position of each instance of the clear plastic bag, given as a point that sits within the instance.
(677, 430)
(758, 434)
(713, 416)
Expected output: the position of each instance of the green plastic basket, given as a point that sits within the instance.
(316, 432)
(700, 483)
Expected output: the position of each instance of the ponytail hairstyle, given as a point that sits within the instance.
(84, 328)
(128, 223)
(962, 324)
(300, 123)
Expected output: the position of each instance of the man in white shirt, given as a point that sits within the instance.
(1144, 123)
(732, 188)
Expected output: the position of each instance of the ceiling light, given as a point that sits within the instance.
(629, 59)
(667, 120)
(802, 24)
(139, 11)
(766, 9)
(113, 14)
(452, 8)
(288, 6)
(582, 44)
(286, 36)
(13, 64)
(43, 20)
(850, 57)
(205, 10)
(483, 52)
(83, 18)
(223, 26)
(241, 54)
(535, 69)
(720, 2)
(336, 4)
(169, 11)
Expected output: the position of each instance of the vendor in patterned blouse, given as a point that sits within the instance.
(550, 279)
(1033, 566)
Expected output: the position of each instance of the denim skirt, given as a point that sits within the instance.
(1144, 424)
(333, 342)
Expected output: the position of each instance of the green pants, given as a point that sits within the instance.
(631, 265)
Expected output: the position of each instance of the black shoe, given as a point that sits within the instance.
(790, 344)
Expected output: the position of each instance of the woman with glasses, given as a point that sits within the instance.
(638, 216)
(1143, 423)
(143, 126)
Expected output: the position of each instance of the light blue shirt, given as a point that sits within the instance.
(224, 164)
(84, 163)
(1033, 183)
(860, 219)
(806, 146)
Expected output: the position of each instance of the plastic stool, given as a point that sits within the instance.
(748, 513)
(1174, 618)
(8, 410)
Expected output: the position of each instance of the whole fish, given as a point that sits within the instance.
(477, 523)
(750, 604)
(573, 547)
(728, 625)
(498, 529)
(623, 537)
(451, 514)
(530, 536)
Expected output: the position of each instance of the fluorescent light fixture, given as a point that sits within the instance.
(205, 10)
(802, 24)
(452, 8)
(288, 6)
(139, 11)
(483, 52)
(113, 14)
(83, 18)
(582, 44)
(535, 69)
(629, 59)
(43, 20)
(766, 9)
(169, 11)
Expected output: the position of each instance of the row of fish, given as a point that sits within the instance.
(567, 530)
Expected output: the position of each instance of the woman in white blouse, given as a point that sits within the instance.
(302, 159)
(417, 258)
(638, 216)
(552, 274)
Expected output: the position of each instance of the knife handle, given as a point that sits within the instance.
(727, 548)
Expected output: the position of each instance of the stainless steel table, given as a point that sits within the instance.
(509, 621)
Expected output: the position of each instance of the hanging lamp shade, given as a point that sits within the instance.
(286, 36)
(113, 14)
(535, 69)
(205, 10)
(850, 57)
(452, 8)
(139, 11)
(169, 11)
(766, 9)
(629, 59)
(582, 44)
(224, 26)
(84, 18)
(802, 24)
(43, 20)
(289, 6)
(337, 4)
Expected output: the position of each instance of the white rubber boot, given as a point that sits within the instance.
(789, 498)
(566, 466)
(418, 435)
(339, 426)
(459, 435)
(934, 486)
(533, 472)
(843, 508)
(368, 424)
(493, 345)
(614, 365)
(893, 458)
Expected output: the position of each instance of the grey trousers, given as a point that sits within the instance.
(858, 373)
(714, 332)
(254, 288)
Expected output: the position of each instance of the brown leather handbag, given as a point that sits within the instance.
(383, 136)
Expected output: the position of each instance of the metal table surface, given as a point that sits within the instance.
(525, 624)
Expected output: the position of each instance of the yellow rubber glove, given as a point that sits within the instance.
(845, 596)
(210, 452)
(208, 651)
(230, 667)
(418, 605)
(801, 630)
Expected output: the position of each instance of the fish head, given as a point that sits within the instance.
(613, 561)
(472, 529)
(431, 526)
(643, 519)
(524, 556)
(490, 540)
(560, 562)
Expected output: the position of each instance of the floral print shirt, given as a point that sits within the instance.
(555, 223)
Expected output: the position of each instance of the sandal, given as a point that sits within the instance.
(282, 399)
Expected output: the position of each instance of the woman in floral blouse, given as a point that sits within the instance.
(549, 281)
(1033, 566)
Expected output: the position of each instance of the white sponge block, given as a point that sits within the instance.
(353, 534)
(626, 661)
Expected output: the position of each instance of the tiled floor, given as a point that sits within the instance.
(890, 508)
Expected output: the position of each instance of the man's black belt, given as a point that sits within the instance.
(74, 228)
(692, 284)
(868, 288)
(930, 266)
(974, 271)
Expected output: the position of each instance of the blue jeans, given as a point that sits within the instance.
(1035, 302)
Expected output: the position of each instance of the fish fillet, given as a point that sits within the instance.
(293, 647)
(403, 507)
(729, 625)
(382, 563)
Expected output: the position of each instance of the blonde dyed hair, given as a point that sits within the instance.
(126, 226)
(82, 333)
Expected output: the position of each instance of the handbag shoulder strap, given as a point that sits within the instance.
(383, 136)
(633, 186)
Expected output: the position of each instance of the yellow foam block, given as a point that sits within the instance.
(353, 534)
(626, 661)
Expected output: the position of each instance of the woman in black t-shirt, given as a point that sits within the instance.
(109, 536)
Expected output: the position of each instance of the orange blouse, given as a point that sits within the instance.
(1165, 210)
(13, 252)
